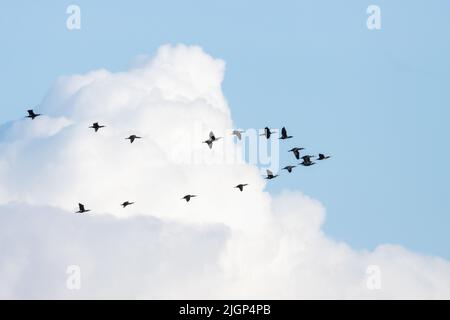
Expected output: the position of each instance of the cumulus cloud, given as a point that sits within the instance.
(223, 244)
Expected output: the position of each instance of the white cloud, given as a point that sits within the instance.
(223, 244)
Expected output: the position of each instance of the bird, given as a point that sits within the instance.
(96, 126)
(307, 161)
(238, 134)
(32, 115)
(289, 168)
(82, 209)
(270, 175)
(266, 133)
(307, 158)
(296, 152)
(284, 134)
(188, 197)
(132, 138)
(323, 157)
(211, 139)
(241, 186)
(126, 204)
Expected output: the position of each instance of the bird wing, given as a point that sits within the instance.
(283, 132)
(211, 136)
(81, 207)
(238, 134)
(269, 173)
(297, 154)
(30, 112)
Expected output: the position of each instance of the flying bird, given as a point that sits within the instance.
(296, 152)
(238, 134)
(323, 157)
(132, 138)
(307, 158)
(212, 138)
(270, 175)
(266, 133)
(82, 209)
(188, 197)
(96, 126)
(289, 168)
(32, 115)
(307, 161)
(126, 204)
(241, 186)
(284, 134)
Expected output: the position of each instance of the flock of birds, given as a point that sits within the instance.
(306, 159)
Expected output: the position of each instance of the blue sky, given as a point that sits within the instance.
(376, 100)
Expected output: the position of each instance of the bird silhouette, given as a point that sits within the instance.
(307, 158)
(82, 209)
(289, 168)
(96, 126)
(238, 134)
(32, 115)
(266, 133)
(188, 197)
(323, 157)
(296, 152)
(270, 175)
(241, 186)
(126, 204)
(132, 138)
(307, 161)
(212, 138)
(284, 134)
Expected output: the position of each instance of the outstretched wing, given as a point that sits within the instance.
(283, 132)
(81, 207)
(297, 154)
(30, 112)
(269, 173)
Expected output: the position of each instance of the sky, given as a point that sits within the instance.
(373, 99)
